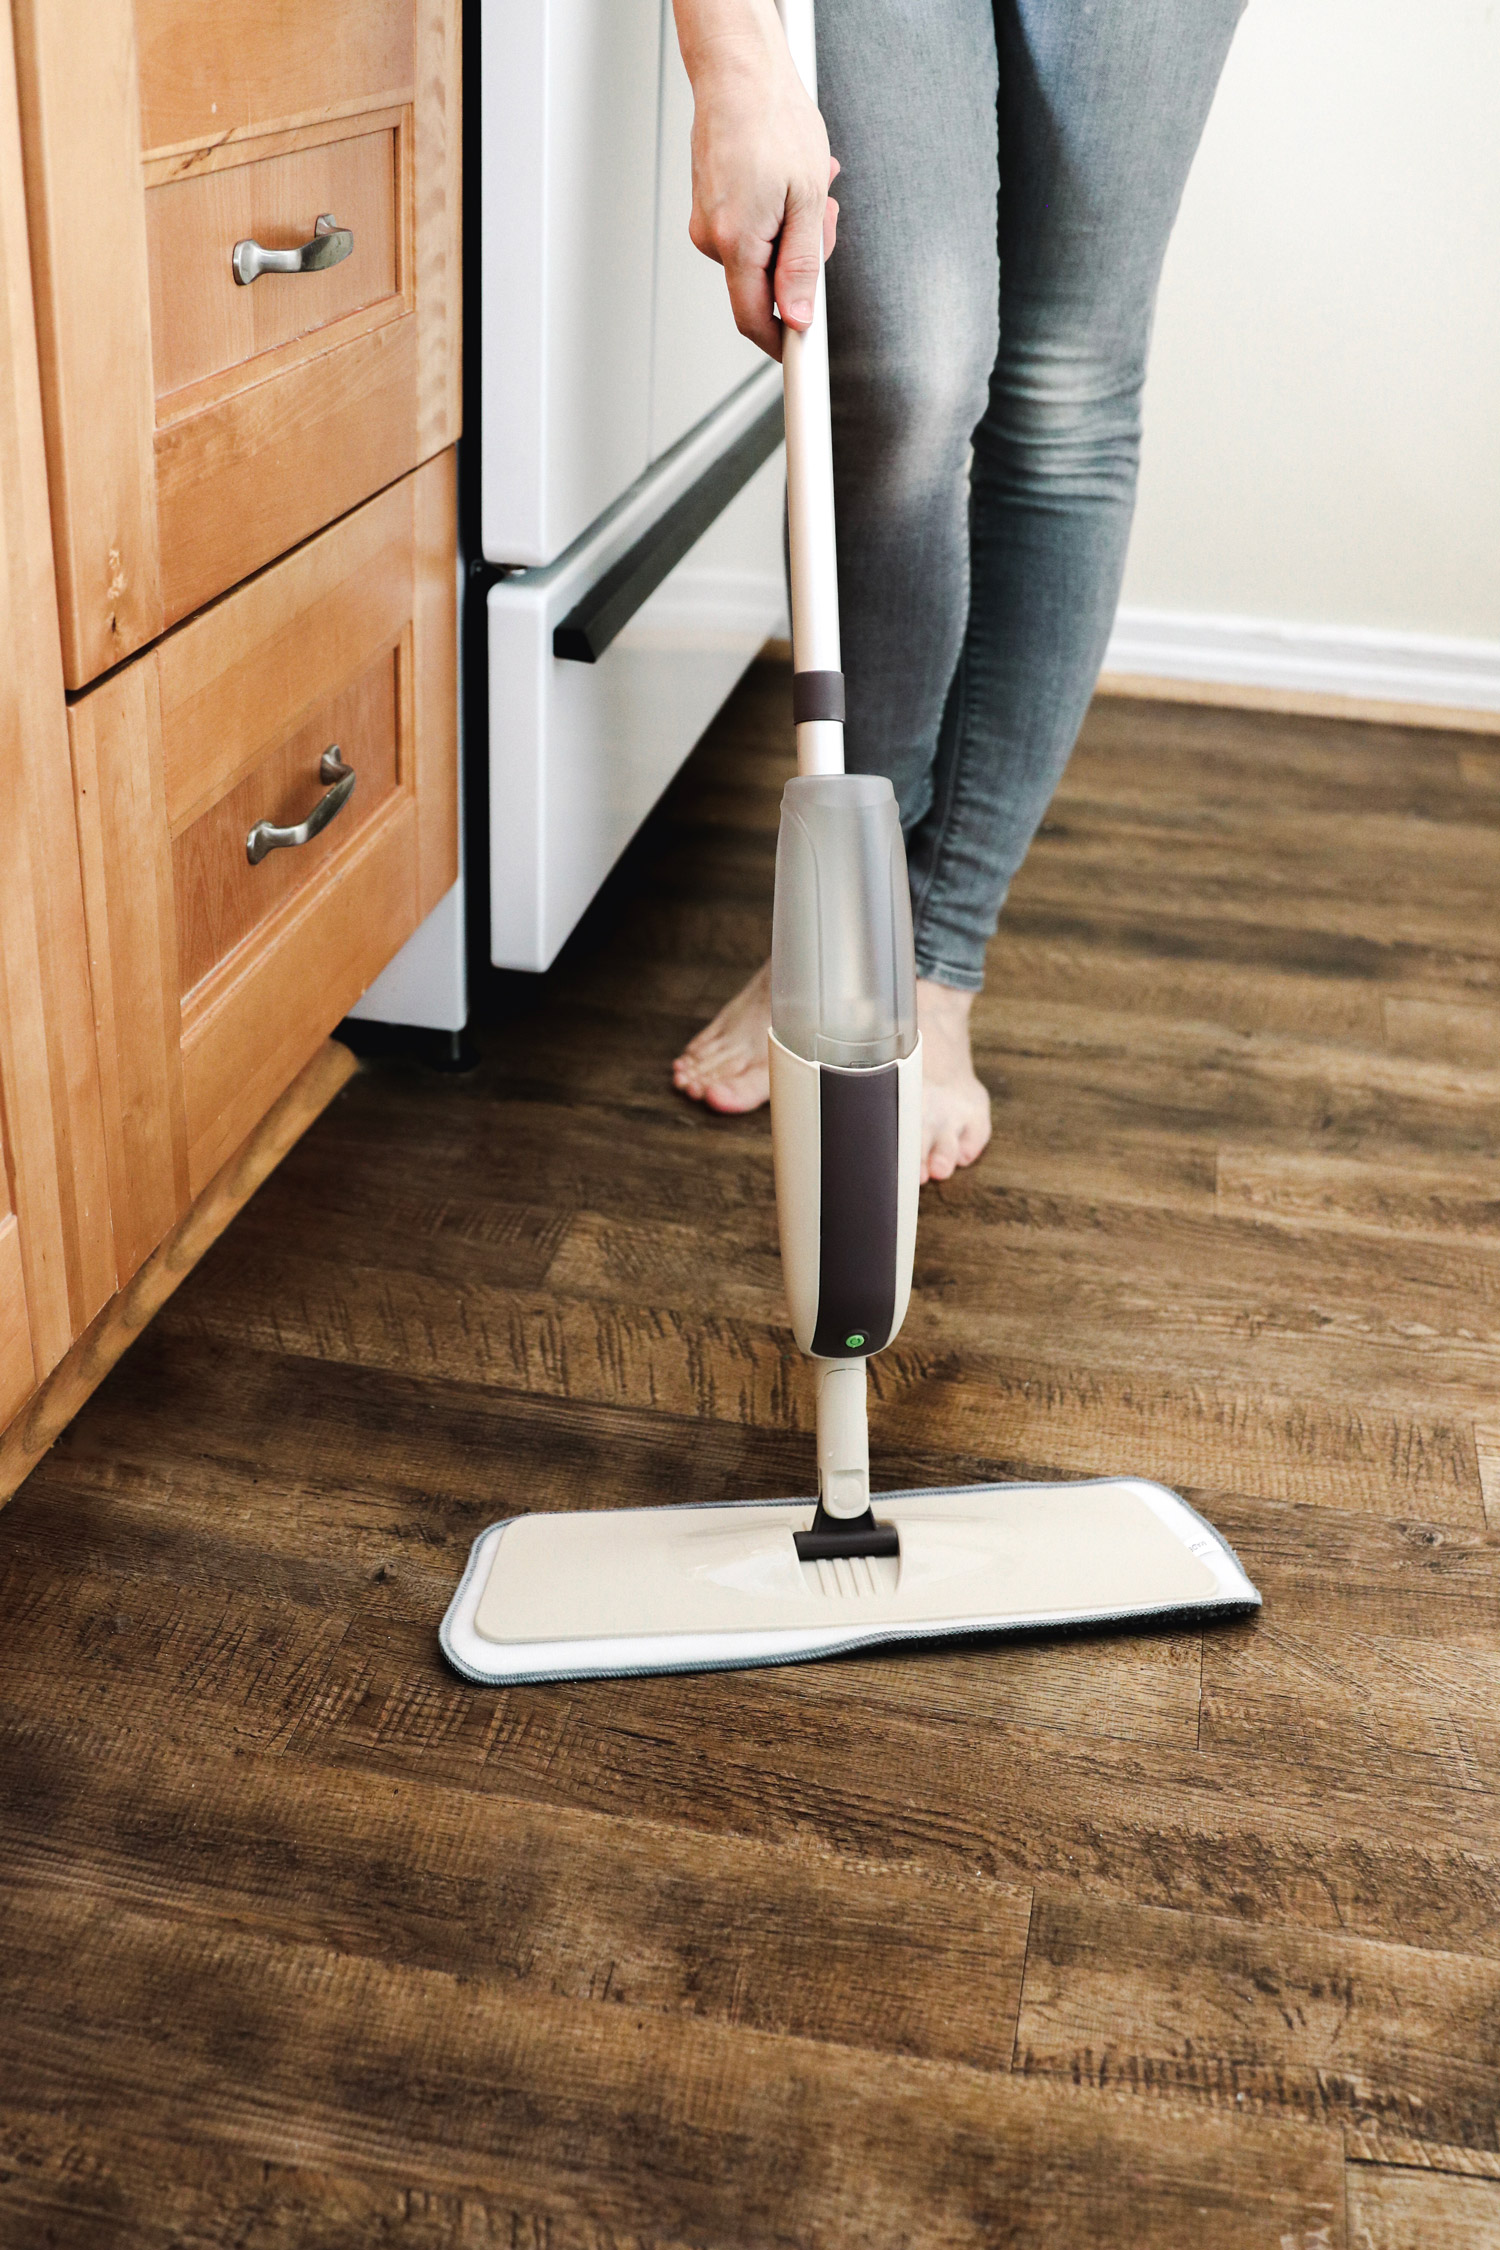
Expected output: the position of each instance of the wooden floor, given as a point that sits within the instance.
(1156, 1939)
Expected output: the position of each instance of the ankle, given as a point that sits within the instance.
(946, 1007)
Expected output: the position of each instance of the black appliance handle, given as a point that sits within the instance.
(610, 603)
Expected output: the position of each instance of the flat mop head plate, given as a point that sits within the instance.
(689, 1589)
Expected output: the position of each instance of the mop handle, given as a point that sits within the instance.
(818, 680)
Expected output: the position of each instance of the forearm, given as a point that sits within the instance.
(733, 35)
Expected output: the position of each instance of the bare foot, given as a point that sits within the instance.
(726, 1067)
(955, 1107)
(726, 1064)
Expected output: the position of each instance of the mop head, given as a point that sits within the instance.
(698, 1589)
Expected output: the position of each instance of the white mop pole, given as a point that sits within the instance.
(809, 471)
(843, 1432)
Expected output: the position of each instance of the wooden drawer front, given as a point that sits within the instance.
(220, 897)
(209, 335)
(197, 428)
(215, 980)
(17, 1367)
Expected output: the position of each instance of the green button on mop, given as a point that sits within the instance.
(679, 1589)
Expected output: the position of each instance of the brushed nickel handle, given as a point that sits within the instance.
(266, 837)
(329, 246)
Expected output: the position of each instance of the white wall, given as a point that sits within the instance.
(1323, 409)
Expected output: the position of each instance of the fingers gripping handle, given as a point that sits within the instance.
(809, 473)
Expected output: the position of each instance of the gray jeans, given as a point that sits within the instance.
(986, 394)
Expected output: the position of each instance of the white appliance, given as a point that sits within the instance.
(629, 468)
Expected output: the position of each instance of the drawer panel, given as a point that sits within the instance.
(198, 428)
(205, 324)
(254, 1032)
(226, 685)
(220, 897)
(215, 73)
(215, 980)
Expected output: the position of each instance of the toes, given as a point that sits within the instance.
(973, 1140)
(730, 1091)
(942, 1157)
(737, 1092)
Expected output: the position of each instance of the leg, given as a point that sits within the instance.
(1101, 108)
(908, 88)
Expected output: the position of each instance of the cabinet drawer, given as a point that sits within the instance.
(199, 425)
(215, 976)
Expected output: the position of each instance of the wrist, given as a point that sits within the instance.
(730, 41)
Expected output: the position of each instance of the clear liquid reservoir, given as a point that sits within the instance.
(843, 976)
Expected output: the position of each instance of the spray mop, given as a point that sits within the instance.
(748, 1582)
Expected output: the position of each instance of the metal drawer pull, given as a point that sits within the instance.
(266, 837)
(329, 246)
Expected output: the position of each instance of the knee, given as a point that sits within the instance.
(905, 411)
(1063, 422)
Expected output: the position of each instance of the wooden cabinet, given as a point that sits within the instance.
(228, 523)
(215, 978)
(56, 1256)
(197, 426)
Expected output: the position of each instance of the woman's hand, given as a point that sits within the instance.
(761, 167)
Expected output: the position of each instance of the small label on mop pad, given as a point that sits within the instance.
(668, 1588)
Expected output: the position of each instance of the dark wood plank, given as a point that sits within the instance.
(369, 1490)
(307, 1941)
(1051, 1350)
(1388, 2038)
(1415, 2210)
(331, 2059)
(531, 1897)
(1377, 1655)
(1268, 1837)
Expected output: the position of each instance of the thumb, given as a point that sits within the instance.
(799, 254)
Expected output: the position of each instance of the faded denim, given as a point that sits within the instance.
(986, 393)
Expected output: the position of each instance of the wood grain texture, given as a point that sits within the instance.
(221, 899)
(1233, 695)
(227, 687)
(24, 1440)
(206, 1004)
(437, 223)
(540, 2094)
(811, 1945)
(1166, 1938)
(204, 322)
(281, 459)
(253, 1021)
(80, 111)
(1396, 2039)
(210, 78)
(197, 430)
(132, 927)
(60, 1257)
(17, 1366)
(1391, 2210)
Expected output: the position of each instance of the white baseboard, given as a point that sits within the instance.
(1352, 663)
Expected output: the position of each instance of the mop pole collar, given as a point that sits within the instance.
(818, 695)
